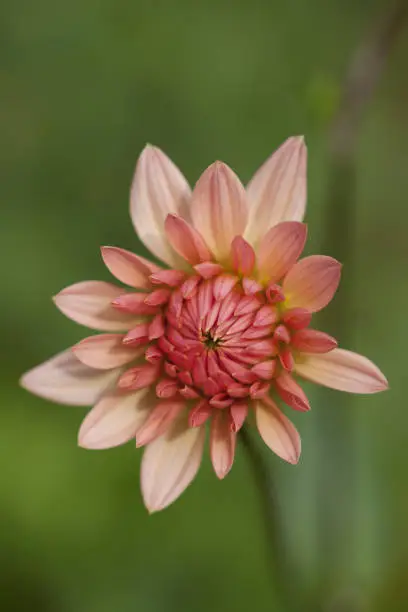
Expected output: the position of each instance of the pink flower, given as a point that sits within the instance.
(223, 331)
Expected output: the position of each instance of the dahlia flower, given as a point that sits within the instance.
(218, 335)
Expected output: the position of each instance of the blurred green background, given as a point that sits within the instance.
(84, 86)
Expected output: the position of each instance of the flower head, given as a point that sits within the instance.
(221, 332)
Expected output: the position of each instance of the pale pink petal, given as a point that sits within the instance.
(342, 370)
(279, 250)
(170, 463)
(208, 269)
(277, 191)
(277, 431)
(218, 208)
(127, 267)
(90, 303)
(312, 282)
(186, 240)
(242, 256)
(158, 189)
(238, 411)
(105, 351)
(159, 420)
(65, 380)
(313, 341)
(222, 444)
(114, 420)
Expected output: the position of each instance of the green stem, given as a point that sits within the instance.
(274, 531)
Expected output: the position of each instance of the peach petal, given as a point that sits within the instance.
(218, 208)
(297, 318)
(277, 431)
(127, 267)
(158, 421)
(291, 392)
(312, 282)
(279, 250)
(343, 370)
(158, 189)
(277, 191)
(138, 335)
(158, 297)
(105, 351)
(265, 369)
(66, 380)
(238, 411)
(186, 240)
(222, 444)
(113, 421)
(200, 413)
(170, 463)
(313, 341)
(172, 278)
(251, 286)
(90, 303)
(242, 256)
(139, 377)
(208, 269)
(133, 303)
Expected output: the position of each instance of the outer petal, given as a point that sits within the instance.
(64, 379)
(113, 421)
(105, 351)
(312, 282)
(170, 463)
(129, 268)
(222, 444)
(342, 370)
(158, 189)
(277, 191)
(218, 208)
(279, 249)
(90, 303)
(186, 240)
(277, 431)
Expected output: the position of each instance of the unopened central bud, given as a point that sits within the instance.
(210, 342)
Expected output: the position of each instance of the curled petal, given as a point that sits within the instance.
(158, 189)
(134, 303)
(222, 444)
(208, 269)
(312, 282)
(277, 191)
(242, 256)
(158, 421)
(127, 267)
(113, 421)
(105, 351)
(218, 208)
(313, 341)
(90, 303)
(65, 380)
(186, 240)
(279, 250)
(343, 370)
(170, 463)
(277, 431)
(291, 393)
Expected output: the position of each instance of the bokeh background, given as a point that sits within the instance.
(85, 85)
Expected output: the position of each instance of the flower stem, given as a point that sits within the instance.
(274, 531)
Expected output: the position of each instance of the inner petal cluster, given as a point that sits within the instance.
(214, 338)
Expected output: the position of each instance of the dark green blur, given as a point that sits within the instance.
(84, 85)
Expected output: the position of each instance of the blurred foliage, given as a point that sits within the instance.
(85, 85)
